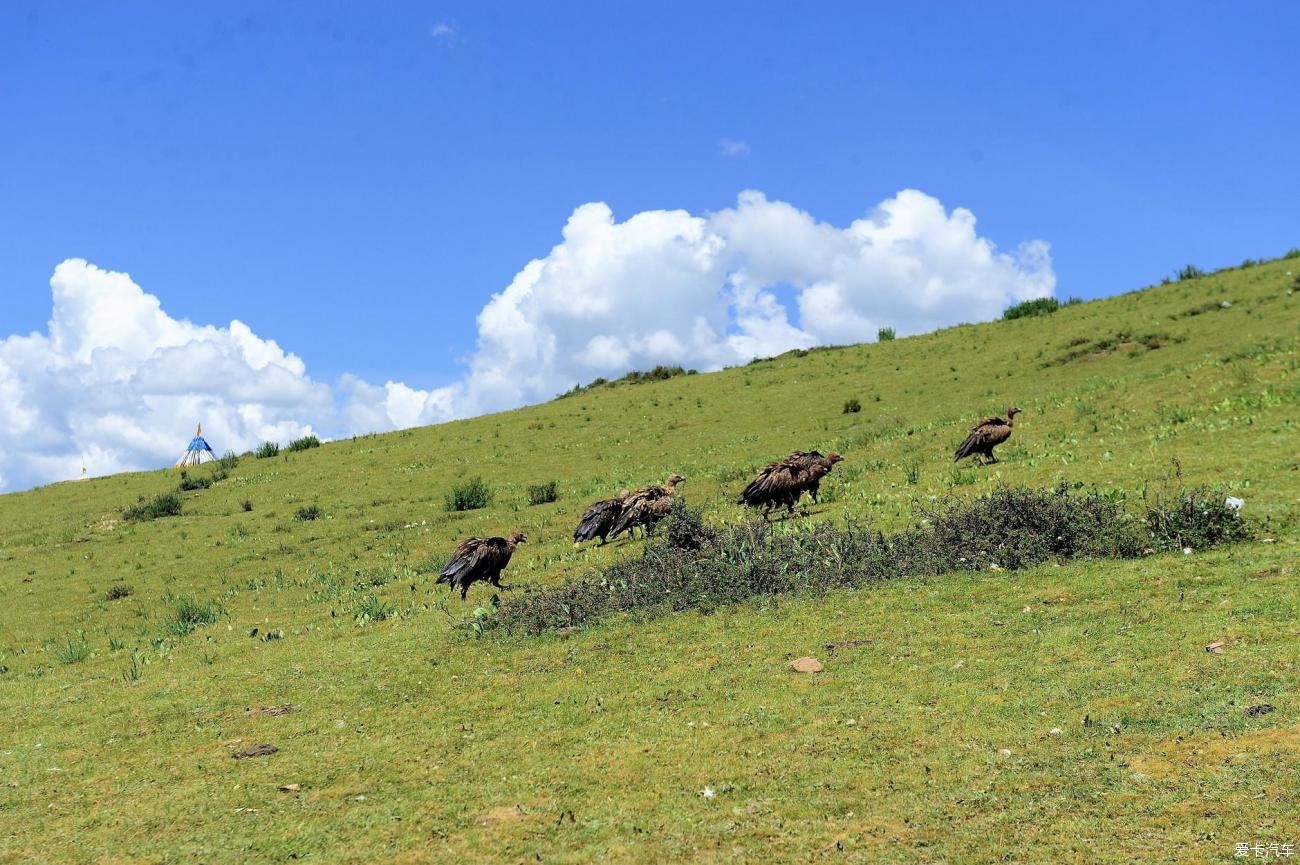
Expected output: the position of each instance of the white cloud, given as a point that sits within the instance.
(116, 382)
(440, 30)
(733, 147)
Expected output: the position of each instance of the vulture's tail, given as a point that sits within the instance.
(967, 448)
(625, 522)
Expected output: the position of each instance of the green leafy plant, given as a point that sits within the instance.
(470, 495)
(540, 494)
(307, 442)
(266, 450)
(163, 505)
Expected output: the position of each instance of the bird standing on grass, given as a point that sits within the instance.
(782, 483)
(646, 506)
(987, 435)
(599, 519)
(479, 559)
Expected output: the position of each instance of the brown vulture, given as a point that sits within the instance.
(646, 506)
(987, 435)
(783, 482)
(479, 559)
(599, 519)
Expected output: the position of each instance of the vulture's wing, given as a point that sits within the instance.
(772, 482)
(992, 432)
(463, 561)
(597, 518)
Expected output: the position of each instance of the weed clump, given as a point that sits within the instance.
(307, 513)
(196, 483)
(540, 494)
(73, 651)
(117, 591)
(266, 450)
(469, 496)
(1196, 518)
(188, 614)
(1190, 271)
(885, 334)
(852, 406)
(228, 461)
(163, 505)
(247, 505)
(307, 442)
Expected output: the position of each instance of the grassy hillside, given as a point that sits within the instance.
(1067, 713)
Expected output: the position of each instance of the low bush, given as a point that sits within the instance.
(1197, 518)
(247, 505)
(691, 565)
(852, 406)
(1031, 308)
(117, 591)
(301, 444)
(307, 513)
(228, 461)
(885, 334)
(188, 614)
(540, 494)
(266, 450)
(1190, 271)
(196, 483)
(163, 505)
(469, 496)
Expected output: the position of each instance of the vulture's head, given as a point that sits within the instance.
(673, 480)
(834, 457)
(518, 538)
(1014, 410)
(623, 494)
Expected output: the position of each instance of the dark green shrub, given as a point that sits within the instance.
(188, 614)
(197, 483)
(228, 461)
(691, 565)
(1197, 518)
(117, 591)
(1030, 308)
(469, 496)
(1292, 253)
(1190, 271)
(852, 406)
(163, 505)
(885, 334)
(266, 450)
(540, 494)
(247, 505)
(307, 513)
(301, 444)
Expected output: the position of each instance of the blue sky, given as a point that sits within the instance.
(354, 181)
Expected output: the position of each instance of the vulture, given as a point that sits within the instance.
(987, 435)
(646, 506)
(479, 559)
(599, 519)
(783, 482)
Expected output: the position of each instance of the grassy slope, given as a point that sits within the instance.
(475, 748)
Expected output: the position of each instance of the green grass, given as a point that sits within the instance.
(414, 740)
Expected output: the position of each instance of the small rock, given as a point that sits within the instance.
(1187, 551)
(260, 750)
(1005, 752)
(1235, 503)
(290, 788)
(707, 793)
(806, 665)
(1261, 709)
(1216, 647)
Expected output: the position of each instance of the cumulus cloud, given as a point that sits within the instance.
(116, 381)
(705, 291)
(440, 30)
